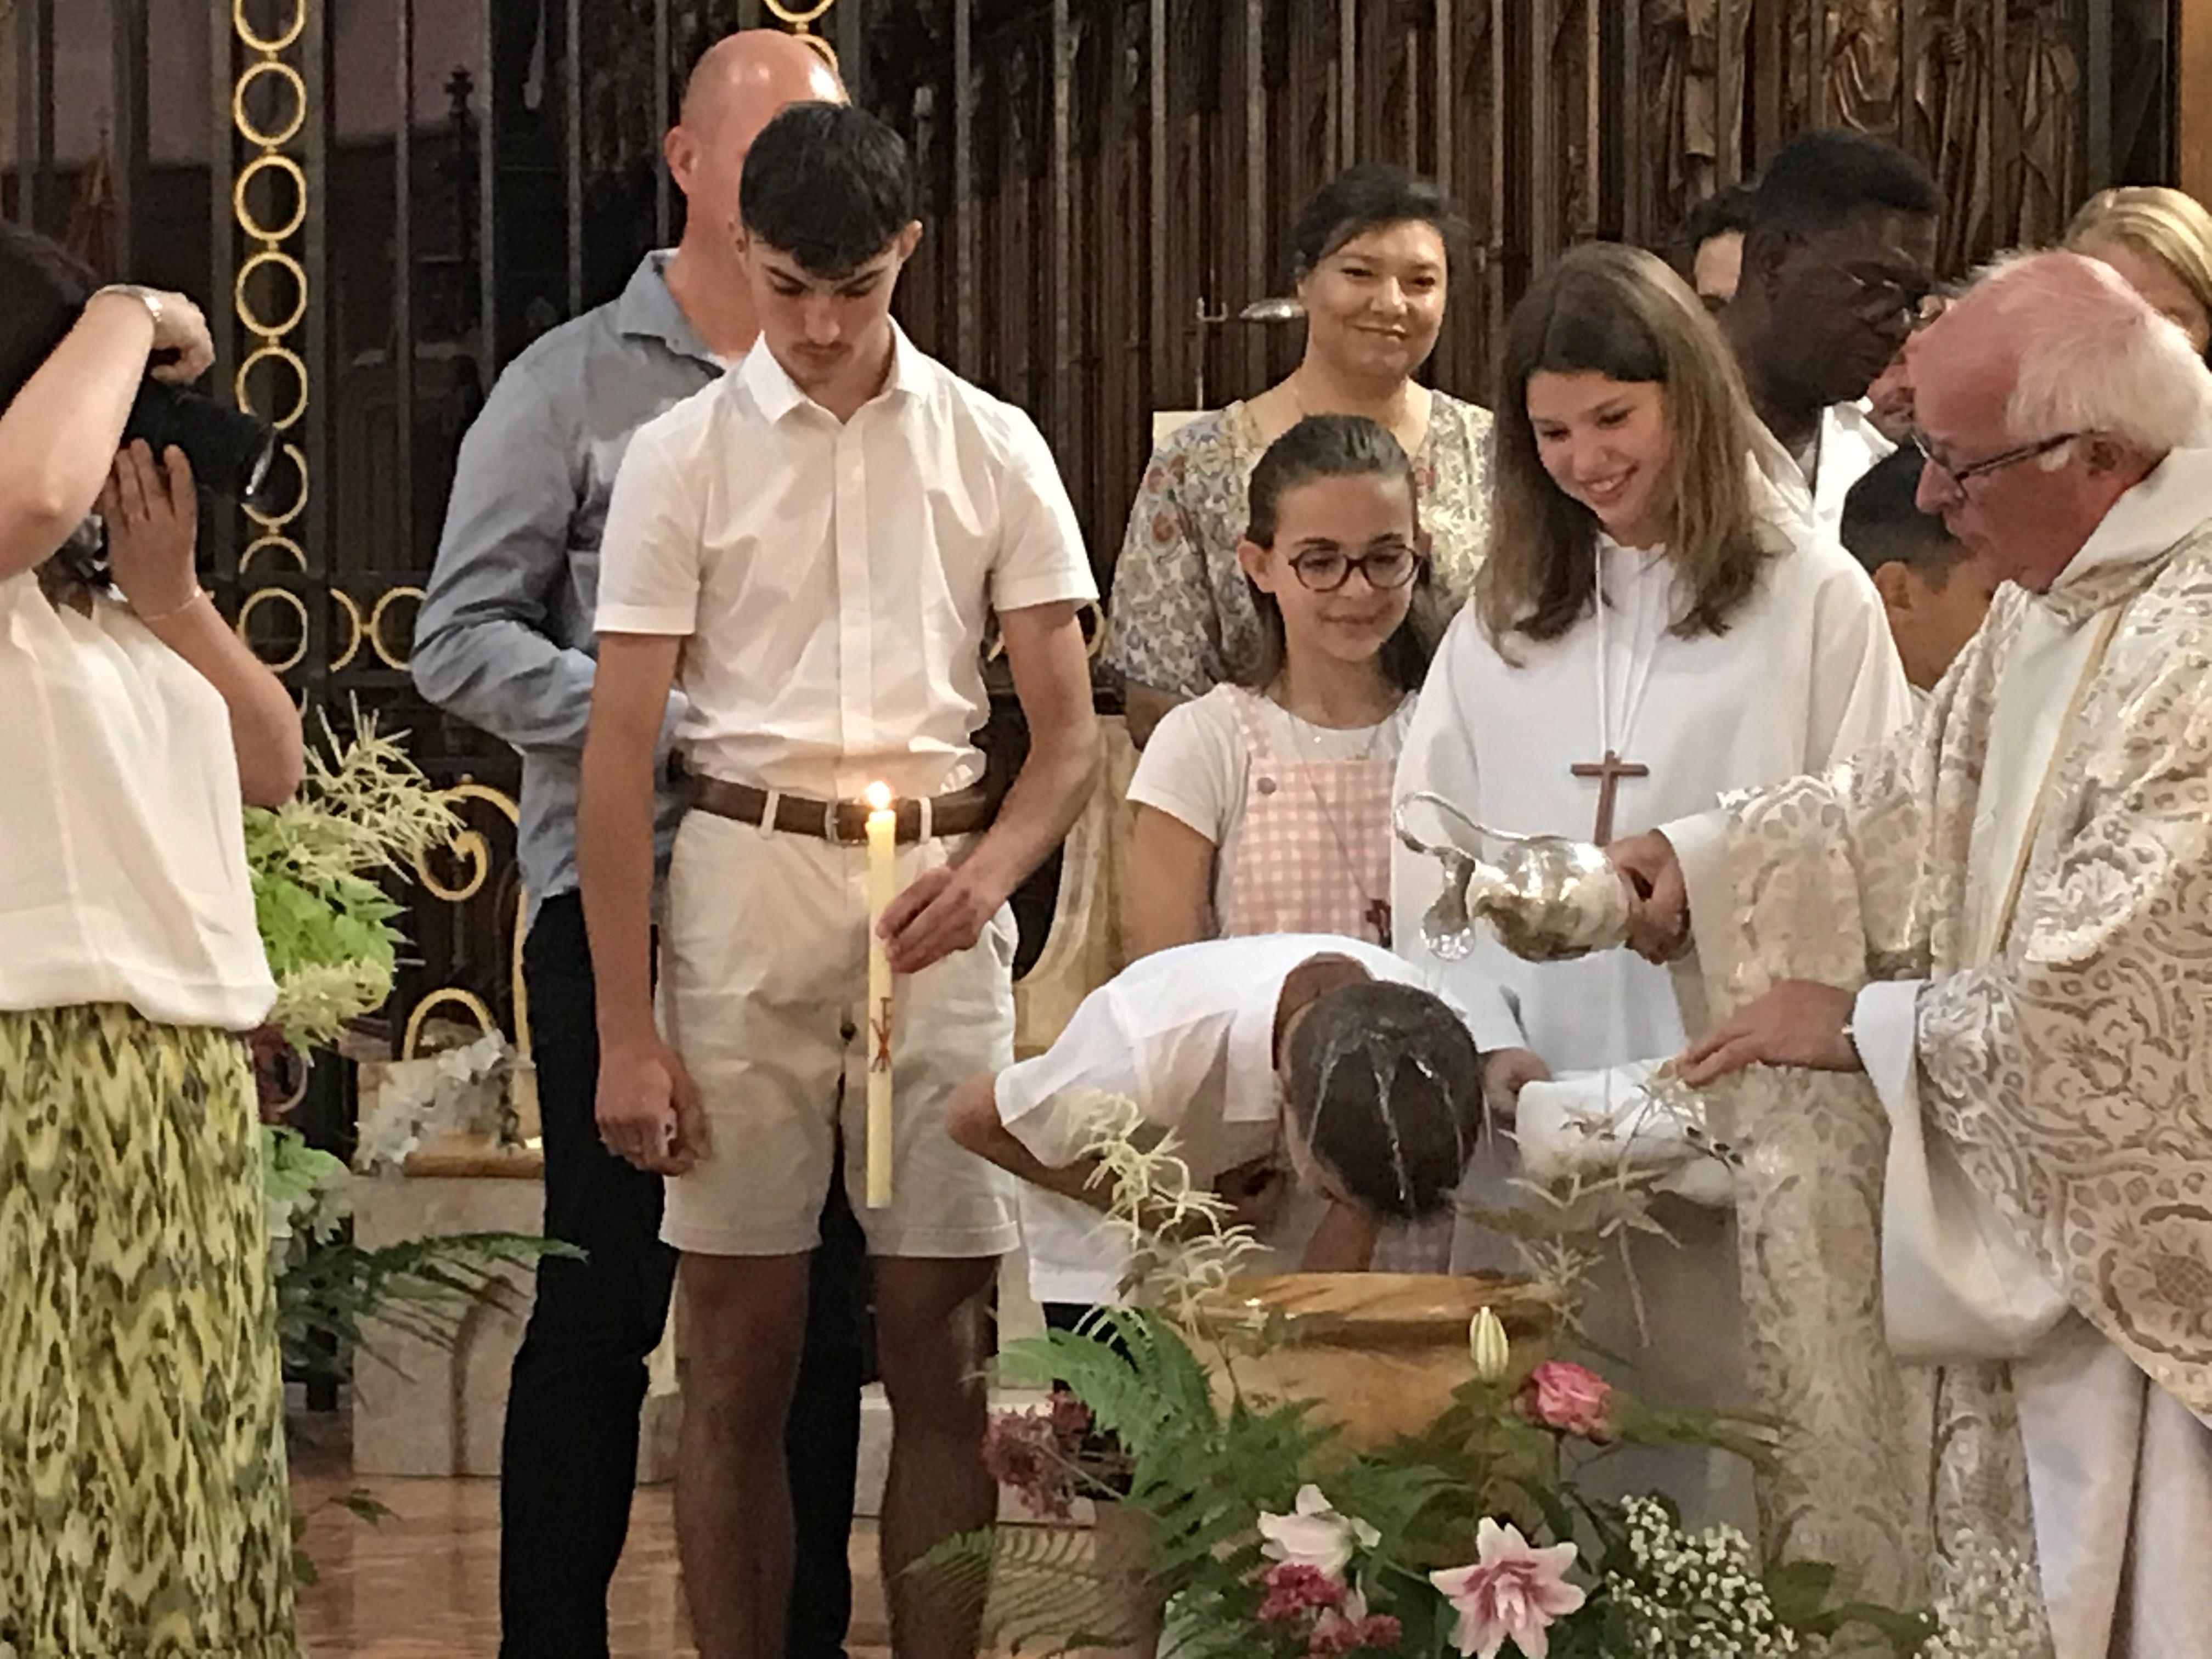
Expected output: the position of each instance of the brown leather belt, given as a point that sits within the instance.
(960, 814)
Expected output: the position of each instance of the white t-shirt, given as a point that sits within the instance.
(122, 840)
(1188, 1034)
(836, 578)
(1197, 767)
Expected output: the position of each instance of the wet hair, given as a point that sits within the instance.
(42, 287)
(1821, 180)
(1375, 193)
(1338, 446)
(1619, 312)
(1883, 523)
(1386, 1090)
(828, 183)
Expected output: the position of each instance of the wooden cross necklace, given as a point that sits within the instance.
(1608, 773)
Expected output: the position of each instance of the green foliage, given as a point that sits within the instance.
(325, 922)
(1042, 1587)
(338, 1293)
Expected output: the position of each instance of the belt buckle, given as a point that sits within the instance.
(831, 832)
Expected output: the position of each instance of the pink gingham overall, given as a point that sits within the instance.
(1313, 856)
(1313, 846)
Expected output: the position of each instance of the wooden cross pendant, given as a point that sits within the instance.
(1378, 917)
(1608, 773)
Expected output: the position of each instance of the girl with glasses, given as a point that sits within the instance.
(1651, 628)
(1264, 806)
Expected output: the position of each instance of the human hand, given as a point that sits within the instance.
(940, 913)
(1800, 1022)
(183, 347)
(153, 517)
(1659, 918)
(647, 1109)
(1505, 1073)
(1257, 1190)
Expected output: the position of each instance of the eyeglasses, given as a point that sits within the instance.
(1959, 476)
(1391, 566)
(1882, 299)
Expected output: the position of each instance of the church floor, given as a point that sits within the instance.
(424, 1582)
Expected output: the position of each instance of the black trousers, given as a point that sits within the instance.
(568, 1460)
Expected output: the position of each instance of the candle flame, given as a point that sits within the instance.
(878, 797)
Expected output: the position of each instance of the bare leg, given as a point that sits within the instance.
(732, 1499)
(929, 1320)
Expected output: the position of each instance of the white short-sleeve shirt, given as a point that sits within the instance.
(1188, 1034)
(833, 580)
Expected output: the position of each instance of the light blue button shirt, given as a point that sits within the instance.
(505, 638)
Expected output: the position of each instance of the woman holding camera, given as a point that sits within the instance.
(142, 1502)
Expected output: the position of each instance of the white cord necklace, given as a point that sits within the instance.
(1613, 736)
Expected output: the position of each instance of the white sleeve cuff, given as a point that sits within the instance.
(1957, 1283)
(1700, 845)
(1884, 1030)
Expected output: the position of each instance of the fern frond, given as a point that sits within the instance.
(423, 1288)
(1039, 1588)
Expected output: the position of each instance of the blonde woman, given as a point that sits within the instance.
(1375, 250)
(1650, 628)
(2159, 240)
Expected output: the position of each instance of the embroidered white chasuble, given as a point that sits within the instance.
(2020, 1192)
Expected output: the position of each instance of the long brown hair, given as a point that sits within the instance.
(1619, 312)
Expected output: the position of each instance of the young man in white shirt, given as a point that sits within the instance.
(810, 551)
(1308, 1076)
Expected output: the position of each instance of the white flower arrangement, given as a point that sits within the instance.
(463, 1091)
(1178, 1237)
(1988, 1605)
(1694, 1595)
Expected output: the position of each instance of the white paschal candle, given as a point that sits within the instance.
(883, 884)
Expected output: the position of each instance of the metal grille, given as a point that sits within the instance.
(1108, 183)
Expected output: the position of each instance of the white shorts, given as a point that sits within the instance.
(763, 973)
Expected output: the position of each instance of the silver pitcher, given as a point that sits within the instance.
(1547, 898)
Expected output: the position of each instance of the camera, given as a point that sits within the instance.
(231, 452)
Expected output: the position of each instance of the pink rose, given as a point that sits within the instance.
(1563, 1396)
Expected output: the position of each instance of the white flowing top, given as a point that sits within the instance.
(122, 840)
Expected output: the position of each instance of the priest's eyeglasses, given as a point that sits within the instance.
(1392, 565)
(1959, 476)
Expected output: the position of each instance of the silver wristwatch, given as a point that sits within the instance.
(148, 297)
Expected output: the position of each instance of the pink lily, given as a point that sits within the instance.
(1512, 1590)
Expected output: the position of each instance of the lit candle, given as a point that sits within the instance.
(883, 883)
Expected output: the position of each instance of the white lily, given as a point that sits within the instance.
(1314, 1535)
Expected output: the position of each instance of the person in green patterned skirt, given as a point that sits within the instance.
(142, 1506)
